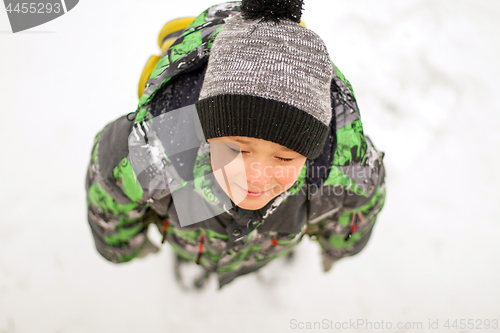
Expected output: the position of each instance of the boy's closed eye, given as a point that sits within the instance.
(237, 151)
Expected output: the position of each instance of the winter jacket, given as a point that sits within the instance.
(335, 200)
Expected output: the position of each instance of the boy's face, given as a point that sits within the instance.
(253, 171)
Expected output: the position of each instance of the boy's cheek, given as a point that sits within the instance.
(287, 182)
(236, 173)
(232, 176)
(289, 175)
(233, 168)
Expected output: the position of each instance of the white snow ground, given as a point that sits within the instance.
(425, 75)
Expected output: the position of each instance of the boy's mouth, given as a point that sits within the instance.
(252, 193)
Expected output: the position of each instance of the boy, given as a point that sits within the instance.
(281, 150)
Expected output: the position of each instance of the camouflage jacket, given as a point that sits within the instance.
(335, 200)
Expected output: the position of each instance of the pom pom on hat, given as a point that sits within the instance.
(272, 10)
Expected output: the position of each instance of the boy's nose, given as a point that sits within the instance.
(259, 174)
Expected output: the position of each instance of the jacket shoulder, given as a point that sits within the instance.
(188, 52)
(115, 172)
(346, 143)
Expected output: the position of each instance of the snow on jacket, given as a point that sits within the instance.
(335, 200)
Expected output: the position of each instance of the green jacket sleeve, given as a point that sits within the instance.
(345, 231)
(116, 207)
(345, 209)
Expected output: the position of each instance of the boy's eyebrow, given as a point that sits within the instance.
(247, 143)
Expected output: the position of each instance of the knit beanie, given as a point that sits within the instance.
(268, 77)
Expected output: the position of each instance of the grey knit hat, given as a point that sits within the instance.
(268, 77)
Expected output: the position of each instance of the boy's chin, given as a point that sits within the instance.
(250, 204)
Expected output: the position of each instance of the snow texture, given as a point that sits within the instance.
(426, 76)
